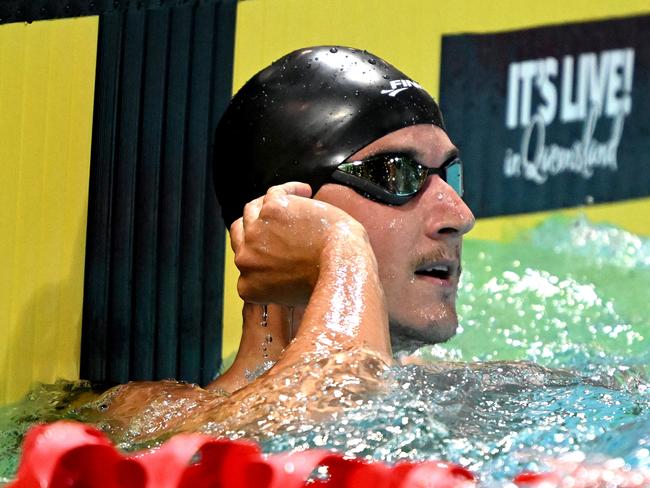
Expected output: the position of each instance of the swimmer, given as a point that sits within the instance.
(343, 197)
(371, 145)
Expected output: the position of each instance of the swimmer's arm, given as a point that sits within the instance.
(292, 250)
(347, 306)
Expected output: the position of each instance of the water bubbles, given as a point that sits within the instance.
(588, 392)
(334, 50)
(372, 60)
(510, 276)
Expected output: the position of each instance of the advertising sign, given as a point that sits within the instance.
(550, 117)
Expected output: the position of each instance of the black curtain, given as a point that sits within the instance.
(154, 249)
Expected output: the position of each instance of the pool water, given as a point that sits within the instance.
(551, 359)
(569, 296)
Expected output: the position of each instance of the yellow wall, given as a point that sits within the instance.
(406, 33)
(631, 215)
(47, 73)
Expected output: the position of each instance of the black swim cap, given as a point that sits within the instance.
(301, 117)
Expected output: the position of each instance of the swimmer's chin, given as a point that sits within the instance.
(429, 333)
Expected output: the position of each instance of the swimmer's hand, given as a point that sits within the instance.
(283, 241)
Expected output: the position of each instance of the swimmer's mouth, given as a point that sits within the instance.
(441, 271)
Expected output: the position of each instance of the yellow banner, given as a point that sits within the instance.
(47, 77)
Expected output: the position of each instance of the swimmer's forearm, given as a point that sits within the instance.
(347, 306)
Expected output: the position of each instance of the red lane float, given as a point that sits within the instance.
(70, 454)
(74, 455)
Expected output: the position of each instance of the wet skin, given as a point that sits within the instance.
(355, 263)
(407, 239)
(277, 257)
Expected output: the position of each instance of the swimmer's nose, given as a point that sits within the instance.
(449, 214)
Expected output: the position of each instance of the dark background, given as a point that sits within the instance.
(473, 91)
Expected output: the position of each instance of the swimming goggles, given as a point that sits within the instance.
(395, 178)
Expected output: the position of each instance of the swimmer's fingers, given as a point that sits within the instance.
(277, 201)
(274, 194)
(291, 188)
(252, 212)
(237, 234)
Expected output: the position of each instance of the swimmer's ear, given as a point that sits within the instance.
(291, 188)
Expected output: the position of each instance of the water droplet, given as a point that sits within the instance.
(356, 93)
(386, 77)
(333, 50)
(372, 60)
(308, 65)
(440, 196)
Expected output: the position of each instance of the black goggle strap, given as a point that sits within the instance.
(451, 172)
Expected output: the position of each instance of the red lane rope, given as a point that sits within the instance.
(73, 455)
(70, 454)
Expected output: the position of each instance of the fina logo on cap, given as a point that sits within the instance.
(397, 86)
